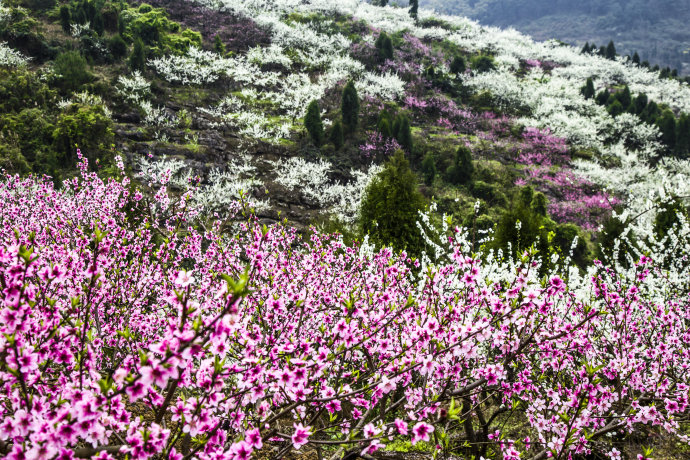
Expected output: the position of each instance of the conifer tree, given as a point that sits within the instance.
(538, 204)
(312, 121)
(667, 125)
(640, 103)
(616, 108)
(625, 97)
(389, 210)
(384, 45)
(602, 51)
(350, 107)
(384, 127)
(65, 18)
(336, 135)
(137, 60)
(602, 97)
(588, 90)
(404, 136)
(429, 169)
(585, 49)
(218, 45)
(462, 169)
(414, 9)
(683, 135)
(458, 65)
(611, 51)
(636, 58)
(650, 113)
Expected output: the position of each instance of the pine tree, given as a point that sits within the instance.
(588, 90)
(389, 210)
(336, 136)
(395, 127)
(137, 60)
(429, 169)
(462, 169)
(458, 65)
(683, 135)
(611, 51)
(312, 121)
(384, 127)
(538, 205)
(98, 25)
(602, 51)
(650, 113)
(585, 49)
(218, 45)
(667, 125)
(640, 103)
(616, 108)
(636, 58)
(384, 45)
(625, 97)
(602, 97)
(414, 8)
(350, 107)
(404, 136)
(65, 18)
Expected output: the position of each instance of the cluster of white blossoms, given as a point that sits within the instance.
(134, 89)
(10, 57)
(312, 181)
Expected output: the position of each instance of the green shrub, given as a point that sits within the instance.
(72, 70)
(462, 169)
(336, 135)
(86, 127)
(312, 121)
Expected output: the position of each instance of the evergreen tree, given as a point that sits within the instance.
(602, 97)
(312, 121)
(98, 25)
(650, 113)
(395, 127)
(625, 97)
(336, 136)
(350, 107)
(683, 135)
(117, 47)
(389, 210)
(538, 204)
(458, 65)
(636, 58)
(384, 127)
(429, 169)
(588, 90)
(611, 51)
(667, 125)
(585, 49)
(640, 103)
(616, 108)
(414, 8)
(65, 18)
(404, 137)
(137, 60)
(462, 169)
(218, 45)
(384, 45)
(602, 51)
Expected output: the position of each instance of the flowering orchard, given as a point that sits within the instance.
(127, 333)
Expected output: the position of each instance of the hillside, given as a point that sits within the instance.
(654, 29)
(323, 228)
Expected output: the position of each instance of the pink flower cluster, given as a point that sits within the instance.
(378, 147)
(125, 330)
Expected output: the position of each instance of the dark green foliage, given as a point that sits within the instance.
(588, 90)
(20, 88)
(458, 65)
(667, 125)
(611, 51)
(384, 45)
(384, 127)
(636, 58)
(218, 45)
(86, 127)
(336, 135)
(616, 108)
(563, 238)
(404, 134)
(539, 203)
(312, 121)
(65, 18)
(137, 60)
(640, 103)
(117, 47)
(602, 97)
(585, 49)
(98, 25)
(683, 135)
(350, 107)
(72, 69)
(624, 97)
(395, 127)
(11, 158)
(429, 169)
(414, 8)
(390, 206)
(462, 169)
(650, 113)
(483, 63)
(32, 134)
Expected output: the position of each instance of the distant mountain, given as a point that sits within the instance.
(656, 29)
